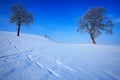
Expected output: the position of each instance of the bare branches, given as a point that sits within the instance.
(20, 16)
(94, 22)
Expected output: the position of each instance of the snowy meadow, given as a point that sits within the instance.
(31, 57)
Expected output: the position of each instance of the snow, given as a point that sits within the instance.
(60, 63)
(31, 57)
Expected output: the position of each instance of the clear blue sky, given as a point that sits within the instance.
(58, 19)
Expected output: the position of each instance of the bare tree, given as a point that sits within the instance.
(94, 22)
(20, 16)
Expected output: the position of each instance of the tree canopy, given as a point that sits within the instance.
(20, 16)
(94, 22)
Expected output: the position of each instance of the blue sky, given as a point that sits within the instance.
(58, 19)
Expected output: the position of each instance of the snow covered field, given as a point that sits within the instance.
(31, 57)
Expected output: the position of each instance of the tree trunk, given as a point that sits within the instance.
(18, 31)
(93, 40)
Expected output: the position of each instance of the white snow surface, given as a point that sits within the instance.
(31, 57)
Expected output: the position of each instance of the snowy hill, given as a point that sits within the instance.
(31, 57)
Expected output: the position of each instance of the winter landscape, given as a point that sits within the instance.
(43, 59)
(59, 40)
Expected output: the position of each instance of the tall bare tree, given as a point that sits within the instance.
(20, 16)
(94, 22)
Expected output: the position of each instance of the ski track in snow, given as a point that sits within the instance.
(15, 55)
(35, 59)
(52, 72)
(7, 56)
(36, 62)
(62, 64)
(29, 57)
(39, 65)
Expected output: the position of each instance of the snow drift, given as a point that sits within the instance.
(31, 57)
